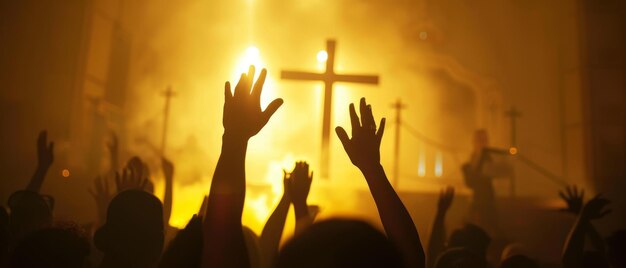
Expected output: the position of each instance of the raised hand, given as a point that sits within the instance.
(445, 198)
(243, 116)
(364, 146)
(102, 196)
(287, 185)
(595, 208)
(573, 198)
(300, 183)
(45, 150)
(130, 178)
(168, 168)
(45, 158)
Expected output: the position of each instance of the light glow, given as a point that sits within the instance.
(322, 56)
(421, 164)
(438, 164)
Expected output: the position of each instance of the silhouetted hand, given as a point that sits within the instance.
(301, 183)
(573, 198)
(594, 209)
(168, 168)
(130, 179)
(364, 146)
(445, 199)
(102, 196)
(287, 185)
(243, 116)
(45, 154)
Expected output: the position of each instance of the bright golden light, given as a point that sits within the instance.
(421, 164)
(438, 165)
(513, 150)
(322, 56)
(65, 173)
(252, 56)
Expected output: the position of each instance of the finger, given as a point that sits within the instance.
(562, 195)
(271, 108)
(354, 120)
(343, 137)
(370, 116)
(604, 213)
(363, 110)
(311, 176)
(41, 139)
(227, 93)
(381, 130)
(569, 191)
(258, 86)
(241, 85)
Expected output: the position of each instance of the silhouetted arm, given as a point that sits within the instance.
(574, 199)
(243, 118)
(45, 157)
(436, 245)
(273, 229)
(575, 243)
(113, 147)
(363, 150)
(301, 186)
(168, 173)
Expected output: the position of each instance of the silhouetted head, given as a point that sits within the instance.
(595, 259)
(339, 243)
(30, 212)
(65, 246)
(252, 244)
(185, 250)
(518, 261)
(616, 249)
(133, 232)
(472, 238)
(460, 258)
(481, 139)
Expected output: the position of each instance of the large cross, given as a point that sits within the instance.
(168, 94)
(328, 77)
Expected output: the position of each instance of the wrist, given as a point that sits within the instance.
(230, 139)
(371, 169)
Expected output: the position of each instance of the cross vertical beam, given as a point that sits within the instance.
(329, 77)
(168, 94)
(513, 114)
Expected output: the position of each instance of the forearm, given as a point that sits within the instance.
(222, 225)
(272, 232)
(437, 240)
(575, 244)
(395, 218)
(303, 219)
(595, 238)
(168, 196)
(37, 179)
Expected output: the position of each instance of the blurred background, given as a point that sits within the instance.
(84, 69)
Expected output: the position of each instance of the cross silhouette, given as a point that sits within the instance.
(168, 94)
(513, 114)
(398, 106)
(329, 77)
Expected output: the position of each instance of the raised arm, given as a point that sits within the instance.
(437, 241)
(301, 186)
(168, 173)
(575, 243)
(364, 152)
(273, 229)
(243, 118)
(45, 157)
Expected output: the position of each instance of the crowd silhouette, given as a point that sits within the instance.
(133, 230)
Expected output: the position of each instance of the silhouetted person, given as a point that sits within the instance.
(56, 247)
(30, 212)
(133, 233)
(224, 242)
(460, 258)
(518, 261)
(4, 235)
(185, 250)
(616, 249)
(483, 209)
(472, 238)
(363, 149)
(339, 243)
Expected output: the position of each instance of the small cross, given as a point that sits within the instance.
(329, 77)
(513, 114)
(168, 94)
